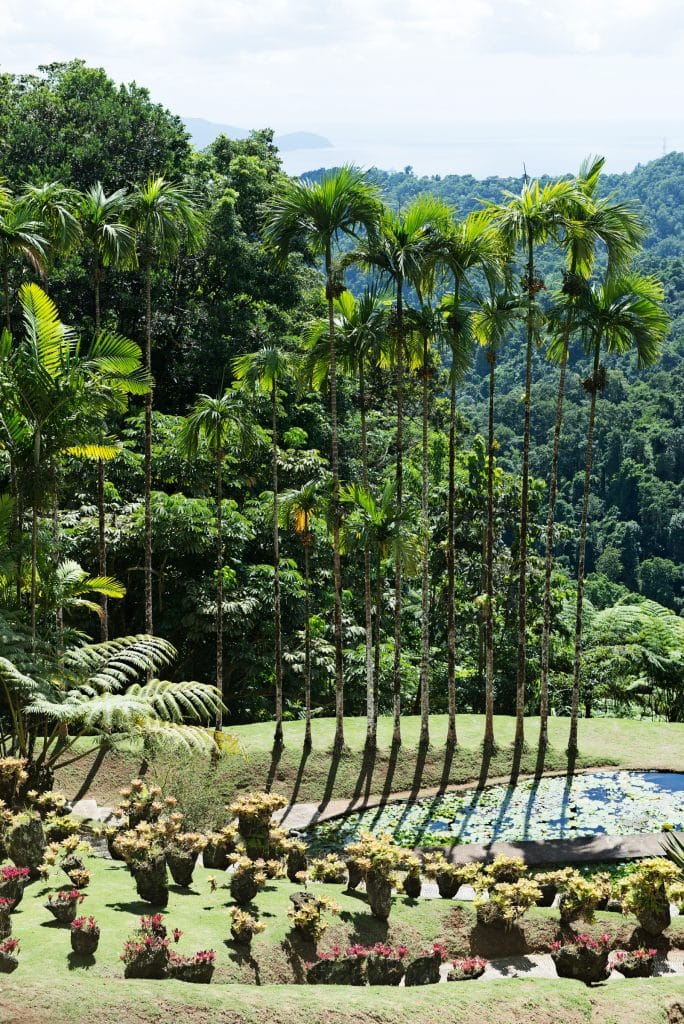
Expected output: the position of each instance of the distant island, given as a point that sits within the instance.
(204, 132)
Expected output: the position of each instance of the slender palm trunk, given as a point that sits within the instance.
(59, 611)
(334, 466)
(524, 510)
(548, 558)
(6, 296)
(34, 532)
(425, 565)
(101, 520)
(379, 587)
(489, 566)
(577, 666)
(278, 739)
(396, 679)
(148, 451)
(307, 643)
(371, 710)
(219, 586)
(451, 574)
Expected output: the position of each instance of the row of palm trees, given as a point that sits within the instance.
(415, 253)
(411, 251)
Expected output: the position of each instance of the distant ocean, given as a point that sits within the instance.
(500, 150)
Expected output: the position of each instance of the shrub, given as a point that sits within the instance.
(505, 869)
(645, 892)
(329, 869)
(507, 902)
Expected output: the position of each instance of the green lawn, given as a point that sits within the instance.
(51, 986)
(320, 777)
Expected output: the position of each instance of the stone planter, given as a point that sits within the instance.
(548, 895)
(112, 847)
(13, 889)
(447, 884)
(215, 855)
(296, 863)
(569, 915)
(243, 936)
(379, 892)
(384, 970)
(255, 836)
(63, 911)
(151, 880)
(8, 963)
(581, 964)
(489, 915)
(635, 967)
(5, 925)
(656, 919)
(243, 887)
(181, 864)
(152, 963)
(456, 974)
(25, 842)
(424, 970)
(412, 886)
(347, 970)
(355, 874)
(84, 943)
(196, 974)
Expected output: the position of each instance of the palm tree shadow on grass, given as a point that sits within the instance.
(276, 755)
(306, 751)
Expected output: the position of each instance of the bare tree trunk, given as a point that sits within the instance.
(334, 466)
(219, 586)
(524, 510)
(101, 521)
(396, 684)
(451, 575)
(59, 611)
(6, 289)
(148, 452)
(577, 666)
(379, 586)
(489, 566)
(278, 739)
(425, 578)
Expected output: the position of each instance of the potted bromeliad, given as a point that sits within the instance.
(467, 969)
(647, 890)
(583, 959)
(198, 968)
(218, 847)
(85, 935)
(379, 858)
(253, 812)
(146, 954)
(64, 905)
(506, 902)
(634, 963)
(12, 882)
(306, 914)
(247, 877)
(425, 969)
(9, 956)
(244, 927)
(182, 852)
(385, 964)
(6, 908)
(450, 877)
(144, 854)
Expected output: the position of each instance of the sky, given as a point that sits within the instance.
(477, 85)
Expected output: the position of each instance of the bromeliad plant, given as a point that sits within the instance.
(506, 902)
(580, 895)
(198, 968)
(218, 847)
(634, 963)
(450, 877)
(504, 869)
(254, 812)
(330, 869)
(647, 890)
(64, 905)
(584, 959)
(307, 914)
(85, 935)
(244, 927)
(467, 969)
(9, 956)
(247, 877)
(146, 953)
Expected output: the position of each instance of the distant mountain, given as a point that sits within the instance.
(204, 132)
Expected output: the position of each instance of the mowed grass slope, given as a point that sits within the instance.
(320, 777)
(52, 985)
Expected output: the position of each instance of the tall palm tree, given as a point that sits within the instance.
(387, 532)
(112, 244)
(361, 335)
(317, 214)
(165, 218)
(530, 218)
(617, 228)
(57, 393)
(54, 206)
(265, 369)
(469, 248)
(404, 249)
(297, 510)
(222, 423)
(624, 313)
(20, 235)
(491, 321)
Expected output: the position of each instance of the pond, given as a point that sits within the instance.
(588, 804)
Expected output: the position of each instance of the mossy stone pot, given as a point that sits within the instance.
(379, 893)
(196, 974)
(581, 964)
(151, 880)
(424, 970)
(25, 842)
(63, 911)
(8, 963)
(84, 943)
(243, 887)
(384, 970)
(181, 864)
(347, 970)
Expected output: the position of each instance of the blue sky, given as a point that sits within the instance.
(380, 72)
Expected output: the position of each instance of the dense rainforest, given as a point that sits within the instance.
(136, 238)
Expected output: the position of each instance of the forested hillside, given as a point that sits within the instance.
(209, 290)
